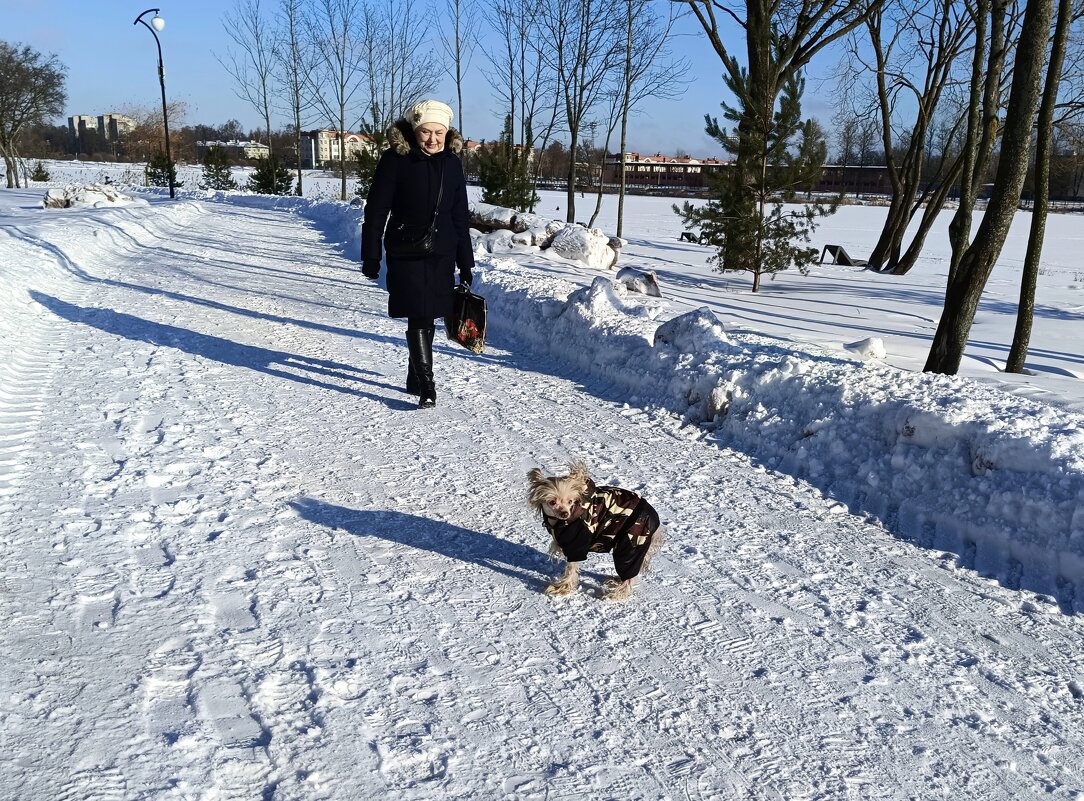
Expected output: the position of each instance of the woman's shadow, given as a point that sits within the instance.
(281, 364)
(473, 547)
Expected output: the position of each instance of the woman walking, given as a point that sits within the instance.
(419, 182)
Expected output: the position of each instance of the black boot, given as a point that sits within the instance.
(420, 345)
(412, 387)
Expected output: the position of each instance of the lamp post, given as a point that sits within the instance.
(157, 24)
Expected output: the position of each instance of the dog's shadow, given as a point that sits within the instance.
(511, 559)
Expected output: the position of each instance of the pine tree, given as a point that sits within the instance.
(504, 171)
(270, 178)
(747, 219)
(216, 170)
(160, 169)
(39, 173)
(365, 163)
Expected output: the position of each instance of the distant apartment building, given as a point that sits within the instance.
(322, 148)
(79, 124)
(115, 126)
(108, 126)
(236, 149)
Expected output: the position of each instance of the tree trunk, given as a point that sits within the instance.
(1018, 352)
(981, 123)
(966, 285)
(570, 196)
(935, 202)
(625, 101)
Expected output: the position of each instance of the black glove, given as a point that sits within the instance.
(370, 268)
(465, 276)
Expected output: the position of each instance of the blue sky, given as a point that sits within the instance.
(112, 65)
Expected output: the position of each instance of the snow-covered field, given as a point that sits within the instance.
(237, 562)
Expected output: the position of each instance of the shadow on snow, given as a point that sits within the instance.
(510, 559)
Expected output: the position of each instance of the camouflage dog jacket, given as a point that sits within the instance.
(607, 519)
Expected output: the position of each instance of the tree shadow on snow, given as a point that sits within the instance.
(310, 370)
(479, 548)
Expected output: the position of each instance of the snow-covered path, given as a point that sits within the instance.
(237, 563)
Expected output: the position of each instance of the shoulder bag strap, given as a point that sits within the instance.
(440, 194)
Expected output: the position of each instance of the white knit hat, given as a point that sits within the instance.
(430, 111)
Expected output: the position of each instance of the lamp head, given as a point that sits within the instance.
(158, 23)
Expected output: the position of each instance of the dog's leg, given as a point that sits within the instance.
(614, 589)
(568, 583)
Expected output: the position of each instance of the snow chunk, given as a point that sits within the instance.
(495, 242)
(589, 246)
(493, 215)
(697, 331)
(643, 281)
(94, 196)
(606, 302)
(870, 347)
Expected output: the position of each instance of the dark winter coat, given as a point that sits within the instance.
(405, 185)
(607, 519)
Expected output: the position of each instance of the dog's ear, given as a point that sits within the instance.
(578, 470)
(577, 474)
(537, 488)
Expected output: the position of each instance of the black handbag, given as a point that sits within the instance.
(467, 322)
(412, 241)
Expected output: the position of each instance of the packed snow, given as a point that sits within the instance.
(238, 563)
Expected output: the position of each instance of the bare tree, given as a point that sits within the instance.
(967, 282)
(458, 42)
(584, 42)
(523, 80)
(393, 42)
(336, 80)
(649, 70)
(1043, 148)
(914, 48)
(146, 138)
(294, 63)
(252, 64)
(31, 91)
(992, 21)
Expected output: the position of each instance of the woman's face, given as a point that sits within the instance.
(431, 137)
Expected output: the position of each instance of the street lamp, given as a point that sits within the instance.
(157, 24)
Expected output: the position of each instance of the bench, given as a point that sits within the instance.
(689, 236)
(841, 256)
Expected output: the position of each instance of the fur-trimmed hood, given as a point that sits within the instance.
(401, 138)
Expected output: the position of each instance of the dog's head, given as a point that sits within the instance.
(555, 496)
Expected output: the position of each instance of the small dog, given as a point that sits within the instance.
(583, 518)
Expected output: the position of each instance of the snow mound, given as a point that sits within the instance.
(644, 281)
(95, 196)
(693, 332)
(589, 246)
(870, 347)
(496, 216)
(497, 241)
